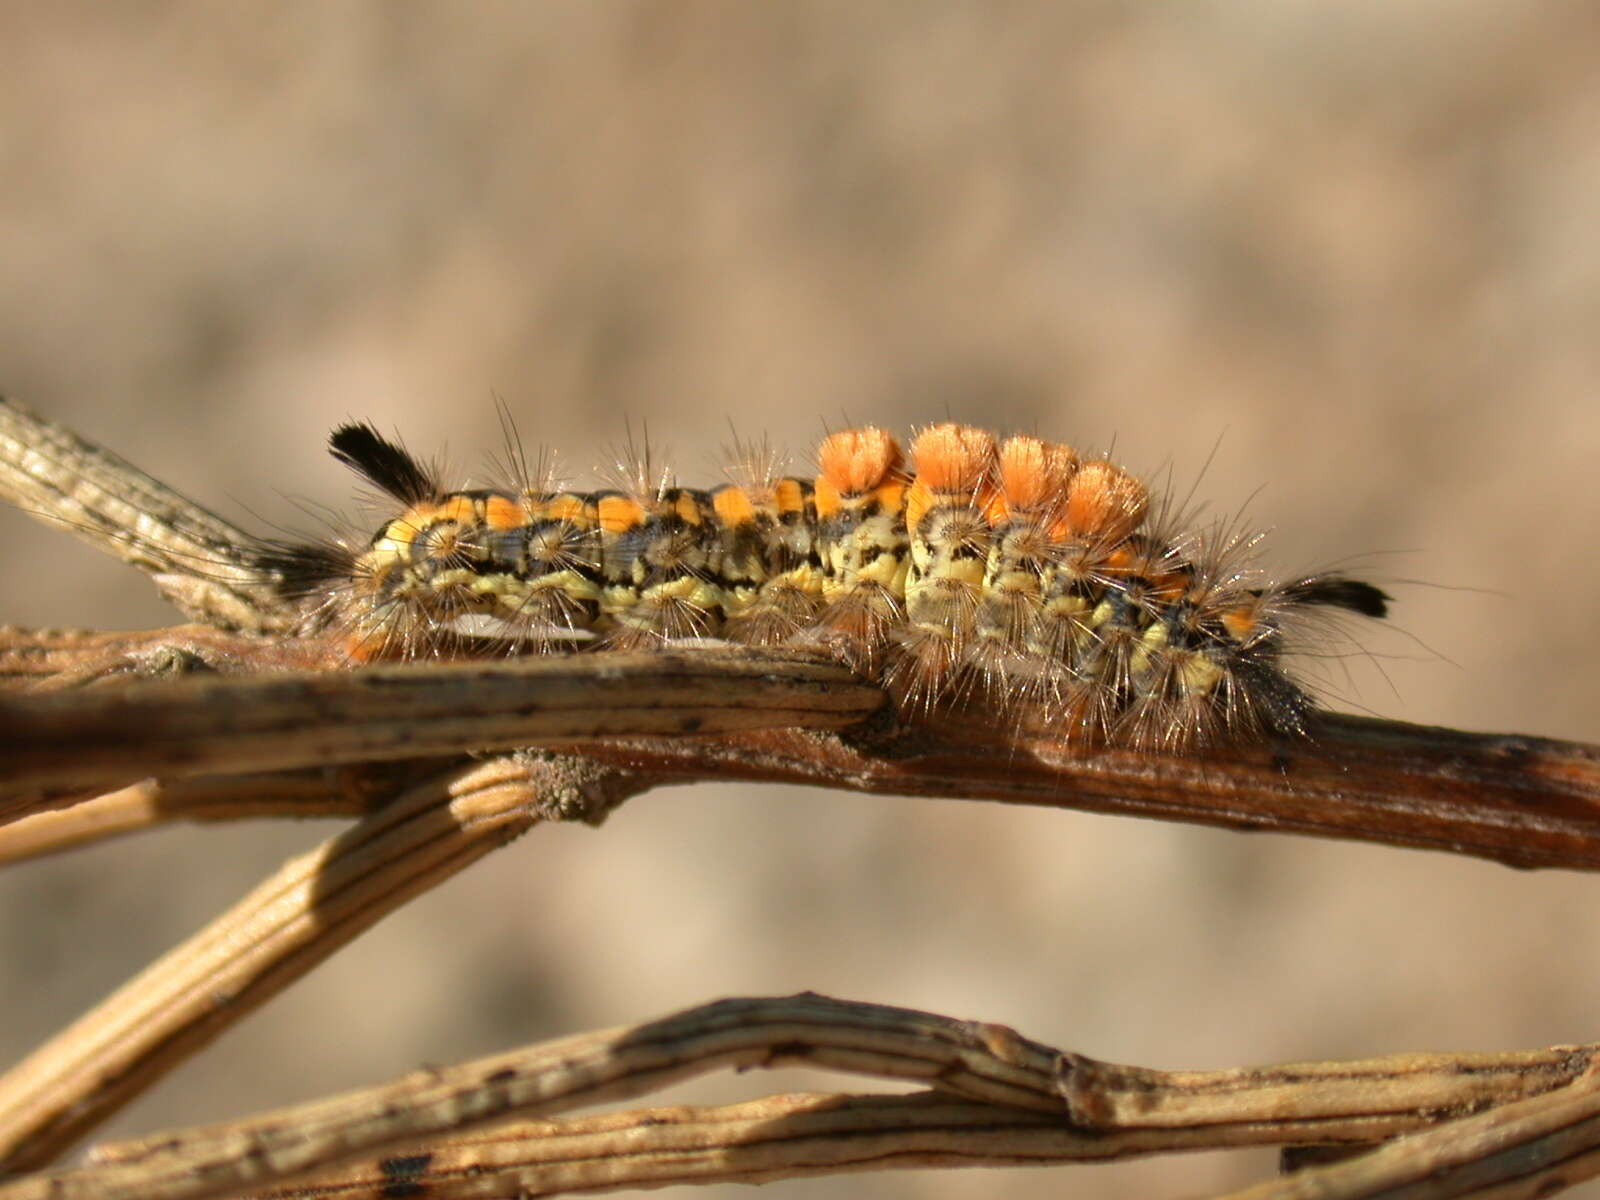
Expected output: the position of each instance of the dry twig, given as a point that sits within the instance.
(193, 556)
(999, 1097)
(1531, 1149)
(102, 736)
(1527, 802)
(350, 792)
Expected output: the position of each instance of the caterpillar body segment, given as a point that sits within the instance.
(660, 560)
(861, 543)
(772, 564)
(948, 511)
(1015, 654)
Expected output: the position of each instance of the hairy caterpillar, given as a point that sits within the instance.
(1012, 573)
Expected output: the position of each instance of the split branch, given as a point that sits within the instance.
(995, 1097)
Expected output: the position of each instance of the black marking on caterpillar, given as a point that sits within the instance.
(386, 465)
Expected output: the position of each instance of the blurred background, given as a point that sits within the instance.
(1345, 254)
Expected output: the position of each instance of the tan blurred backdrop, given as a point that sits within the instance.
(1356, 242)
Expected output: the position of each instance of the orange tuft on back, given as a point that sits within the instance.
(953, 458)
(1105, 502)
(857, 460)
(1034, 474)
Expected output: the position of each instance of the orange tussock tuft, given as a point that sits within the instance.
(857, 460)
(953, 458)
(1105, 502)
(1034, 474)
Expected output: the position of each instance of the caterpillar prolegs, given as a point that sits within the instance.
(1013, 574)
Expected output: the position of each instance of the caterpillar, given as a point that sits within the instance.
(967, 569)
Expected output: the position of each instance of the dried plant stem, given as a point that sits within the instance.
(1104, 1095)
(1523, 801)
(151, 803)
(999, 1097)
(53, 659)
(105, 736)
(793, 1136)
(193, 557)
(778, 1137)
(1531, 1149)
(299, 916)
